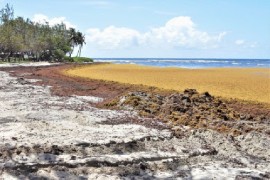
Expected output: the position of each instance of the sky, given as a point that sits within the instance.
(160, 28)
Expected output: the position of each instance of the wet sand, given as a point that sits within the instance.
(249, 84)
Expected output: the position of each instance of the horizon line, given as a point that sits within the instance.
(175, 58)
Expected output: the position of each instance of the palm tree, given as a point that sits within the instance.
(73, 40)
(81, 41)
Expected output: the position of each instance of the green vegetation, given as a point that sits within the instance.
(21, 39)
(78, 59)
(82, 59)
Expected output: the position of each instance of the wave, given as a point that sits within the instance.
(189, 63)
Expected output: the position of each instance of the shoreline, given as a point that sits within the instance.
(62, 85)
(187, 68)
(191, 63)
(248, 84)
(179, 67)
(70, 66)
(58, 70)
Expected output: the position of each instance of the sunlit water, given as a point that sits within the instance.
(190, 63)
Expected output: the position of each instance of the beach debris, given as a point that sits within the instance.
(189, 108)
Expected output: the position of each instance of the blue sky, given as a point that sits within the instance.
(161, 28)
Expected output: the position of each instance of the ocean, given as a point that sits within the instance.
(193, 63)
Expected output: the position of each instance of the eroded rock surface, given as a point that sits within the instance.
(45, 136)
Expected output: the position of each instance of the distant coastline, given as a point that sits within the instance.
(192, 63)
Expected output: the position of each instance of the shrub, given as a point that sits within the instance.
(69, 59)
(82, 59)
(59, 54)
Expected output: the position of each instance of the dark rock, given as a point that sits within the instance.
(14, 138)
(73, 158)
(143, 166)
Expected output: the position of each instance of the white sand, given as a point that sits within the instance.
(26, 64)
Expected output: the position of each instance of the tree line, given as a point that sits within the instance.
(22, 39)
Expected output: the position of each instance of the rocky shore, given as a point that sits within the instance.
(49, 136)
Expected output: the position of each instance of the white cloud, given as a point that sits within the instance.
(177, 32)
(239, 42)
(113, 38)
(246, 44)
(42, 19)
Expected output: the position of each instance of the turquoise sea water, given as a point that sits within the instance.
(190, 63)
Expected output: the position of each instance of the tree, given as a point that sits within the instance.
(21, 37)
(81, 42)
(72, 40)
(6, 14)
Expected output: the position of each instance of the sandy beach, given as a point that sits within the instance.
(250, 84)
(52, 128)
(134, 90)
